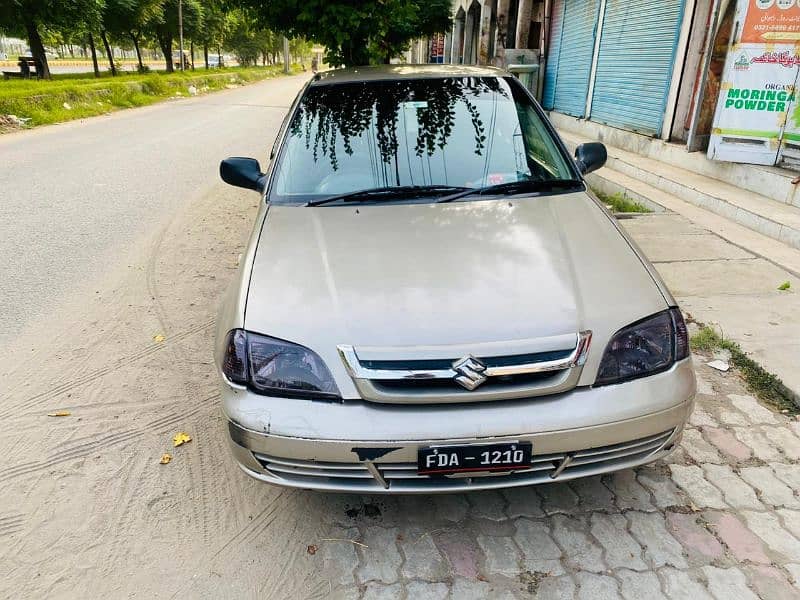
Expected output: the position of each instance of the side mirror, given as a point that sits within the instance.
(590, 157)
(242, 172)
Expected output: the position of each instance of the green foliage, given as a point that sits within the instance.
(355, 32)
(764, 384)
(620, 203)
(784, 286)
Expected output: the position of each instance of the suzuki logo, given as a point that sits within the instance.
(469, 372)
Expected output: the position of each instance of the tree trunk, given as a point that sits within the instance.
(165, 42)
(110, 56)
(219, 56)
(37, 49)
(135, 39)
(191, 52)
(94, 55)
(205, 54)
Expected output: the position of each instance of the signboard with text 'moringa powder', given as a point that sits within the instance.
(754, 113)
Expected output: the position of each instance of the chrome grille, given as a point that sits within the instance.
(402, 477)
(404, 376)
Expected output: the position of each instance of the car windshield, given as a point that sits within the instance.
(460, 132)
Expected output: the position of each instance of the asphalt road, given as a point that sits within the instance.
(77, 197)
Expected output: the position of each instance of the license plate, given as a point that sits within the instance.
(444, 460)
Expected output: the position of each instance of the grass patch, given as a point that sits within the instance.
(620, 203)
(69, 97)
(762, 383)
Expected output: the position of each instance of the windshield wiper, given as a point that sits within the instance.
(516, 187)
(390, 193)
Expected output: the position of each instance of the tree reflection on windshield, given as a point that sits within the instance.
(334, 115)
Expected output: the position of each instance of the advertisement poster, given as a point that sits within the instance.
(757, 95)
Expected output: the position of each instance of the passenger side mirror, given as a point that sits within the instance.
(590, 157)
(242, 172)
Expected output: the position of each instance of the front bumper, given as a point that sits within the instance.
(369, 448)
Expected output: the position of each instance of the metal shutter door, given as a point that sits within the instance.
(573, 24)
(634, 64)
(553, 53)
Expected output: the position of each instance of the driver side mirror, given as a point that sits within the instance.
(242, 172)
(590, 157)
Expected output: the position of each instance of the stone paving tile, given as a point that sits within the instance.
(664, 490)
(451, 507)
(741, 542)
(378, 591)
(756, 413)
(637, 586)
(725, 441)
(488, 505)
(758, 443)
(558, 498)
(770, 489)
(735, 491)
(423, 590)
(770, 583)
(422, 557)
(789, 474)
(502, 556)
(539, 551)
(621, 550)
(727, 584)
(629, 493)
(660, 548)
(732, 417)
(794, 571)
(694, 537)
(555, 588)
(580, 552)
(786, 441)
(678, 585)
(593, 494)
(381, 559)
(523, 502)
(465, 589)
(460, 551)
(699, 449)
(768, 527)
(597, 587)
(791, 520)
(701, 492)
(340, 557)
(701, 418)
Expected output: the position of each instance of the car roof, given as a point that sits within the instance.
(399, 72)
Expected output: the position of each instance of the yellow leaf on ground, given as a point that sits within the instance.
(165, 459)
(159, 337)
(59, 413)
(181, 438)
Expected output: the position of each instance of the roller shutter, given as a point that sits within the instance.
(634, 63)
(573, 25)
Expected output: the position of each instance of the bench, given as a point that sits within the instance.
(28, 67)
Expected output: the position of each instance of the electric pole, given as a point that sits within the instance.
(180, 29)
(285, 54)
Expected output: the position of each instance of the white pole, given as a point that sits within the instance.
(285, 54)
(180, 29)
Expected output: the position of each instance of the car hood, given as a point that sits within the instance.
(463, 274)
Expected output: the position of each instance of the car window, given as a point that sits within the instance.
(465, 132)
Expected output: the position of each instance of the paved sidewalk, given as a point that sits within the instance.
(719, 519)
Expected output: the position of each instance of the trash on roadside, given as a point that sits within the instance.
(192, 90)
(67, 106)
(784, 286)
(165, 458)
(59, 413)
(311, 549)
(181, 438)
(159, 337)
(719, 365)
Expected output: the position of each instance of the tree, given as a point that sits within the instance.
(130, 18)
(165, 26)
(355, 32)
(31, 17)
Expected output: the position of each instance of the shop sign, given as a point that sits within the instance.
(757, 94)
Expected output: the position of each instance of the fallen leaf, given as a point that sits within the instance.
(181, 438)
(159, 337)
(165, 458)
(784, 286)
(59, 413)
(312, 549)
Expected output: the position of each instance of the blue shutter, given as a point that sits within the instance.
(553, 52)
(634, 65)
(573, 24)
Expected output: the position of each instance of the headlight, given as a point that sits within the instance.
(276, 367)
(650, 346)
